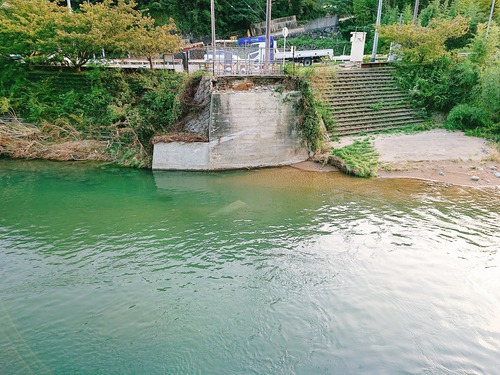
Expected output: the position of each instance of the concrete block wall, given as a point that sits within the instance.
(254, 129)
(248, 129)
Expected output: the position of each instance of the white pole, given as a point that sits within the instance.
(491, 16)
(268, 33)
(284, 32)
(375, 39)
(284, 50)
(69, 5)
(212, 20)
(415, 12)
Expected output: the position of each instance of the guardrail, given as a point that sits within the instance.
(240, 67)
(233, 61)
(140, 64)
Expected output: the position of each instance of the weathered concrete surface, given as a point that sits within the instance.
(254, 129)
(181, 156)
(248, 129)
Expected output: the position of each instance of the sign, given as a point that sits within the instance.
(284, 31)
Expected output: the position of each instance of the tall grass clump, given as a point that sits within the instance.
(359, 159)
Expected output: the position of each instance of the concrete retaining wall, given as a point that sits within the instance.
(248, 129)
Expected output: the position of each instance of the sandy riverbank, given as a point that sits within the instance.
(435, 155)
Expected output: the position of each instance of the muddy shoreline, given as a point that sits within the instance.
(436, 155)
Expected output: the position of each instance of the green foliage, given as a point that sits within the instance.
(147, 40)
(365, 11)
(437, 86)
(474, 121)
(489, 96)
(44, 32)
(467, 117)
(4, 105)
(435, 10)
(28, 28)
(339, 7)
(305, 42)
(308, 108)
(424, 45)
(126, 108)
(232, 17)
(358, 159)
(437, 79)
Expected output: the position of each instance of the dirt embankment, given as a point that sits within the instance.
(51, 142)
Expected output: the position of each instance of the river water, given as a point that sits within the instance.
(276, 271)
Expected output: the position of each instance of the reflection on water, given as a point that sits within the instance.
(106, 270)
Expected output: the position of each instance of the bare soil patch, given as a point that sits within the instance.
(435, 155)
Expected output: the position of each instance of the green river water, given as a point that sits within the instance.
(276, 271)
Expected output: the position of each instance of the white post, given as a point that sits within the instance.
(285, 34)
(284, 50)
(375, 39)
(212, 20)
(415, 12)
(267, 52)
(491, 16)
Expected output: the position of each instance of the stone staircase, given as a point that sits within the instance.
(365, 100)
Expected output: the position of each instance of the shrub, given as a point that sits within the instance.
(467, 117)
(489, 96)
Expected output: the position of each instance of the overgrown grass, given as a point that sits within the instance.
(307, 109)
(125, 109)
(312, 110)
(359, 159)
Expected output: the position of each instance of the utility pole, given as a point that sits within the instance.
(375, 38)
(212, 20)
(69, 5)
(268, 33)
(491, 16)
(415, 12)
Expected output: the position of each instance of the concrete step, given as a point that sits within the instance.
(349, 102)
(365, 100)
(370, 128)
(364, 72)
(356, 77)
(377, 121)
(373, 96)
(403, 121)
(359, 87)
(363, 111)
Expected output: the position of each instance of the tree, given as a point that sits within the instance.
(28, 28)
(424, 44)
(365, 11)
(45, 31)
(338, 7)
(148, 40)
(93, 29)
